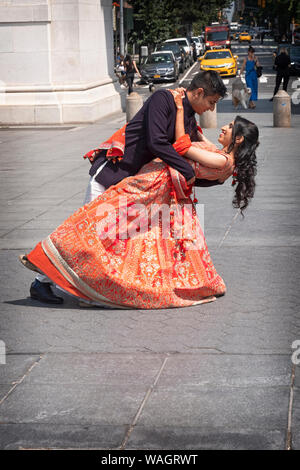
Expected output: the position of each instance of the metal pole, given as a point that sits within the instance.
(121, 28)
(293, 29)
(115, 32)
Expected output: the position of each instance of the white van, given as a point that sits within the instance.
(199, 45)
(234, 26)
(186, 45)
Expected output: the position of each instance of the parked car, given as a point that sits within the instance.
(234, 26)
(185, 43)
(202, 44)
(221, 60)
(178, 51)
(196, 40)
(160, 65)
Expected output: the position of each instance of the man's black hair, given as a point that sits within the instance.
(210, 81)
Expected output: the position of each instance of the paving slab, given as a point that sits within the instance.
(17, 365)
(60, 436)
(4, 389)
(204, 438)
(79, 404)
(107, 370)
(227, 408)
(224, 370)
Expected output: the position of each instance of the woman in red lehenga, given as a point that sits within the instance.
(140, 244)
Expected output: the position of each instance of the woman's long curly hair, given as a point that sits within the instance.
(245, 161)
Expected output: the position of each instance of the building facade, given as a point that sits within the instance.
(56, 61)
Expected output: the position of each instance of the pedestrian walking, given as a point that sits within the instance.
(250, 63)
(262, 35)
(130, 70)
(194, 51)
(282, 66)
(120, 70)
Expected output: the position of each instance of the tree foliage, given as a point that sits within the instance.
(158, 20)
(279, 13)
(284, 11)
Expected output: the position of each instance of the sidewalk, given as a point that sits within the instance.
(216, 376)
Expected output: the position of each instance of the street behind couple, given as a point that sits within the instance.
(107, 253)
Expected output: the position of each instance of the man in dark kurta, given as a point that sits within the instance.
(151, 133)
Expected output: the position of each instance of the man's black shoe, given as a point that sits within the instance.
(42, 291)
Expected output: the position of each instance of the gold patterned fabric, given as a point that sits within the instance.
(138, 245)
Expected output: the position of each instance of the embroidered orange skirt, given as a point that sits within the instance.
(138, 245)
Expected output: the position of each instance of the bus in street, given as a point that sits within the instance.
(217, 36)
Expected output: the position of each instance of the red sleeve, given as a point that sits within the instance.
(114, 145)
(182, 144)
(159, 113)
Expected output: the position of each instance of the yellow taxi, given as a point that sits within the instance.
(245, 36)
(220, 60)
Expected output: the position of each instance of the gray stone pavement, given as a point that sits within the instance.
(216, 376)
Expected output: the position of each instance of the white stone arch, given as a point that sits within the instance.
(56, 61)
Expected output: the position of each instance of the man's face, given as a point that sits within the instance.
(201, 103)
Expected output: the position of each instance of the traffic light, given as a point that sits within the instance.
(263, 3)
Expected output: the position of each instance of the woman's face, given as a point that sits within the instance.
(225, 138)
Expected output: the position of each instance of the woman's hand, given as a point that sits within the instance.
(180, 90)
(177, 98)
(179, 123)
(178, 101)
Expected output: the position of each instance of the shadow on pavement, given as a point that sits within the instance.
(68, 304)
(28, 302)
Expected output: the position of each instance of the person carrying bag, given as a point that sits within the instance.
(130, 69)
